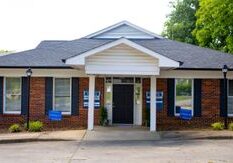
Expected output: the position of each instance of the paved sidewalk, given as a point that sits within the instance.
(67, 135)
(196, 134)
(121, 133)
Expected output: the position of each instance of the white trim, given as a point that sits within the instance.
(120, 24)
(178, 114)
(138, 107)
(63, 113)
(109, 106)
(43, 72)
(152, 104)
(163, 61)
(91, 103)
(4, 97)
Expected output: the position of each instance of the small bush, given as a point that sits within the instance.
(217, 126)
(15, 128)
(103, 116)
(35, 126)
(230, 127)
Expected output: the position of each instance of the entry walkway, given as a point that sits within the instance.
(120, 133)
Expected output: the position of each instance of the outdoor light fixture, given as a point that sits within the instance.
(29, 74)
(224, 70)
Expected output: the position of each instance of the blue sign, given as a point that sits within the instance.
(55, 115)
(185, 114)
(159, 100)
(86, 99)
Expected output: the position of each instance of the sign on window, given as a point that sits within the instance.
(159, 100)
(86, 99)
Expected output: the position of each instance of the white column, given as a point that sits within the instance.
(91, 102)
(152, 103)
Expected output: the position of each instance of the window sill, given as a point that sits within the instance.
(12, 113)
(66, 113)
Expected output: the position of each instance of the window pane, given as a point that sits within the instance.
(230, 105)
(183, 94)
(13, 86)
(108, 94)
(62, 95)
(62, 87)
(230, 97)
(13, 94)
(230, 88)
(62, 104)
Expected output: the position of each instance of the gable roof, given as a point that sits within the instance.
(50, 54)
(163, 60)
(122, 27)
(191, 56)
(49, 43)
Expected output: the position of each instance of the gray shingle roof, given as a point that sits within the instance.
(51, 53)
(190, 55)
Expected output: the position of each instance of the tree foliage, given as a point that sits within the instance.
(181, 22)
(214, 26)
(2, 52)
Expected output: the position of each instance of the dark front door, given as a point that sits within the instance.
(123, 104)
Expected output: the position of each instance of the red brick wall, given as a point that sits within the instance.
(37, 106)
(210, 107)
(99, 85)
(37, 98)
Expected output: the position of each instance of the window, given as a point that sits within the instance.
(230, 98)
(184, 95)
(62, 95)
(12, 97)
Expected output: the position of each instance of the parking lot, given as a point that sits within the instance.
(99, 146)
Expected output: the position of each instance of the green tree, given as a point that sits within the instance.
(214, 26)
(3, 52)
(181, 22)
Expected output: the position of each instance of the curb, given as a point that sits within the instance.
(9, 141)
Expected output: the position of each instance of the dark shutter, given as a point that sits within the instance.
(48, 94)
(197, 97)
(222, 104)
(170, 97)
(1, 95)
(75, 96)
(24, 99)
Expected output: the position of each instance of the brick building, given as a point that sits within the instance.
(124, 68)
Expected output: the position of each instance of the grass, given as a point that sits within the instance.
(181, 98)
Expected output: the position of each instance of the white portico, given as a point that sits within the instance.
(122, 57)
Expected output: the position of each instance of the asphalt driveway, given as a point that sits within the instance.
(99, 146)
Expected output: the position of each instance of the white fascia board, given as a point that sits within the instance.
(11, 72)
(163, 61)
(123, 23)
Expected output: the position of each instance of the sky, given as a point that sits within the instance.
(24, 23)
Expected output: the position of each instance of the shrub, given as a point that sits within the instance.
(230, 127)
(15, 128)
(35, 126)
(217, 126)
(103, 116)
